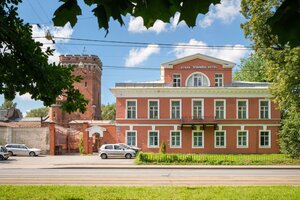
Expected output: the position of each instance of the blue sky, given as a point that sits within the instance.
(221, 26)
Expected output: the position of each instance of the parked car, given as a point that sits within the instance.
(22, 150)
(115, 151)
(136, 149)
(3, 153)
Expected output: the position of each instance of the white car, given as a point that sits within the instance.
(3, 153)
(22, 150)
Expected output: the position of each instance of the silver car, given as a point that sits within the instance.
(22, 150)
(3, 153)
(115, 151)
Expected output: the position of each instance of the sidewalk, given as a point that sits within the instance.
(95, 162)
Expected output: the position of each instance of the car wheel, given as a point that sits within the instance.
(31, 154)
(128, 156)
(103, 156)
(1, 157)
(10, 153)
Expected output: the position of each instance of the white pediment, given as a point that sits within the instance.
(96, 129)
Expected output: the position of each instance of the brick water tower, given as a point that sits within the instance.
(89, 67)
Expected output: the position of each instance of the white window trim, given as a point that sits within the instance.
(196, 147)
(202, 104)
(237, 139)
(175, 147)
(135, 136)
(269, 105)
(222, 79)
(152, 146)
(173, 79)
(220, 147)
(186, 81)
(136, 108)
(215, 111)
(237, 108)
(265, 147)
(158, 110)
(180, 117)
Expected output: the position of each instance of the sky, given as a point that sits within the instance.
(220, 26)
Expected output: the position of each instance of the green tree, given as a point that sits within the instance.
(283, 65)
(24, 66)
(252, 69)
(8, 104)
(108, 111)
(163, 148)
(39, 112)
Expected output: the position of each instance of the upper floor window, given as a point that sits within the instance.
(131, 109)
(264, 109)
(197, 109)
(176, 80)
(242, 109)
(219, 80)
(175, 109)
(198, 80)
(220, 111)
(153, 109)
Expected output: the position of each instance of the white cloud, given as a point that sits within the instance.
(39, 35)
(230, 53)
(174, 21)
(136, 25)
(226, 12)
(139, 55)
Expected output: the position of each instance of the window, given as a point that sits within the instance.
(242, 139)
(131, 109)
(198, 109)
(153, 139)
(198, 80)
(219, 80)
(220, 139)
(117, 147)
(153, 109)
(198, 139)
(175, 139)
(242, 109)
(131, 138)
(264, 139)
(176, 80)
(109, 147)
(220, 111)
(264, 109)
(175, 109)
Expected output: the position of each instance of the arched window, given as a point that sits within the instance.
(198, 80)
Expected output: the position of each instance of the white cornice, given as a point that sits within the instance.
(177, 92)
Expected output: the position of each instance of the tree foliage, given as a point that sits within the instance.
(283, 63)
(24, 67)
(39, 112)
(7, 104)
(108, 111)
(252, 69)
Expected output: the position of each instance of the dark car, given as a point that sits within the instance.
(3, 153)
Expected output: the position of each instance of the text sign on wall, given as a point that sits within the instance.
(198, 67)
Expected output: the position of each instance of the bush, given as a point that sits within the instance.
(163, 148)
(81, 146)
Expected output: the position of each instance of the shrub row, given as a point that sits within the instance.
(215, 159)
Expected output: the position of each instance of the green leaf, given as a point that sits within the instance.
(67, 12)
(191, 9)
(286, 23)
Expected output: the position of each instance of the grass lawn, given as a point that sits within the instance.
(167, 192)
(215, 159)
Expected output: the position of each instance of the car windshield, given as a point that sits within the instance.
(125, 146)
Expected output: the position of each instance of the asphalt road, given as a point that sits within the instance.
(138, 177)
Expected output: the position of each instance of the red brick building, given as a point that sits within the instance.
(197, 108)
(90, 69)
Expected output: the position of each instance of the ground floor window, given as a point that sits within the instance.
(198, 139)
(220, 139)
(175, 139)
(242, 139)
(265, 139)
(131, 138)
(153, 139)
